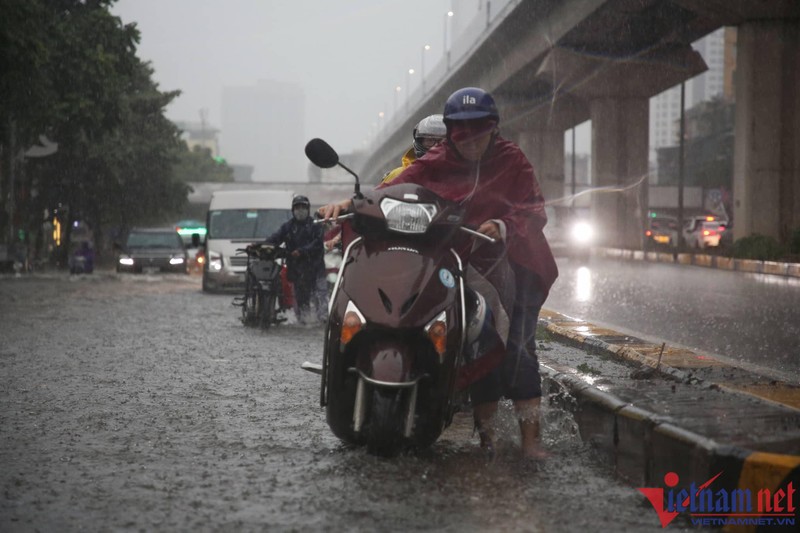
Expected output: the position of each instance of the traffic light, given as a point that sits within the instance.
(220, 160)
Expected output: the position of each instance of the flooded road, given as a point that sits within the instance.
(138, 403)
(753, 319)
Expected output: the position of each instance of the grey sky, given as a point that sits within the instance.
(347, 55)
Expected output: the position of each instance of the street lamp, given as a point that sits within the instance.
(396, 90)
(381, 124)
(408, 86)
(444, 48)
(422, 70)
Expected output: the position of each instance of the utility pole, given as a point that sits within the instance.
(11, 160)
(203, 122)
(681, 165)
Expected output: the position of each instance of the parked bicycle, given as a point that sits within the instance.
(263, 293)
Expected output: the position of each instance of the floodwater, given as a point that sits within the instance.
(138, 403)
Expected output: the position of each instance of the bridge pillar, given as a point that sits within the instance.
(766, 171)
(619, 160)
(544, 148)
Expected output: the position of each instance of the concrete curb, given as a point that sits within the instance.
(790, 270)
(641, 446)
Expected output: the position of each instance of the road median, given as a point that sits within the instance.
(676, 411)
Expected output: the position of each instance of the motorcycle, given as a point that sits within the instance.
(81, 261)
(263, 294)
(396, 331)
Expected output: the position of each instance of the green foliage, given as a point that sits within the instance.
(543, 334)
(70, 71)
(27, 94)
(794, 242)
(756, 246)
(198, 165)
(588, 369)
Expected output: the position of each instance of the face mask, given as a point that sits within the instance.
(300, 213)
(471, 130)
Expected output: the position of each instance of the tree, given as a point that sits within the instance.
(70, 70)
(198, 165)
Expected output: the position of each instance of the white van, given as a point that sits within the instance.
(236, 219)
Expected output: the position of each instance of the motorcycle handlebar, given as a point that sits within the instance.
(463, 228)
(255, 248)
(478, 234)
(337, 219)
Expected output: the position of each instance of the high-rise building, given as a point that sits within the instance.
(263, 126)
(665, 108)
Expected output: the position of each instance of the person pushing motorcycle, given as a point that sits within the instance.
(304, 261)
(496, 183)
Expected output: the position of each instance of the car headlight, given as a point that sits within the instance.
(407, 217)
(125, 260)
(582, 232)
(176, 260)
(214, 261)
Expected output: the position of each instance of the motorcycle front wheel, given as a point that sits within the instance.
(385, 425)
(268, 309)
(251, 307)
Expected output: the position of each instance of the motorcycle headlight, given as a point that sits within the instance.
(407, 217)
(582, 232)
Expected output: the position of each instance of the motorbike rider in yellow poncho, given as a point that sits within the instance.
(428, 132)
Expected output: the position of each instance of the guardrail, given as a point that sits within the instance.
(472, 34)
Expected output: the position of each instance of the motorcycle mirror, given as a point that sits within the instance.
(324, 156)
(321, 154)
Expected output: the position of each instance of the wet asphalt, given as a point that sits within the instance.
(750, 319)
(138, 403)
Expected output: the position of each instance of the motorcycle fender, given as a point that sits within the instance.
(387, 361)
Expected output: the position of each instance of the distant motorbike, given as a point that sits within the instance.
(581, 239)
(263, 293)
(333, 261)
(396, 330)
(81, 261)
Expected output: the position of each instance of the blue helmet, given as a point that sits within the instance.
(470, 103)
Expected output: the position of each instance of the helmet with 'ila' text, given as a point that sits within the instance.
(470, 103)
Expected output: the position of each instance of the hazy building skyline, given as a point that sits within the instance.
(665, 108)
(263, 126)
(348, 57)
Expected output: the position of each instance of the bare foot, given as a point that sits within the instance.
(536, 453)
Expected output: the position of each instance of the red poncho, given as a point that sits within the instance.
(504, 187)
